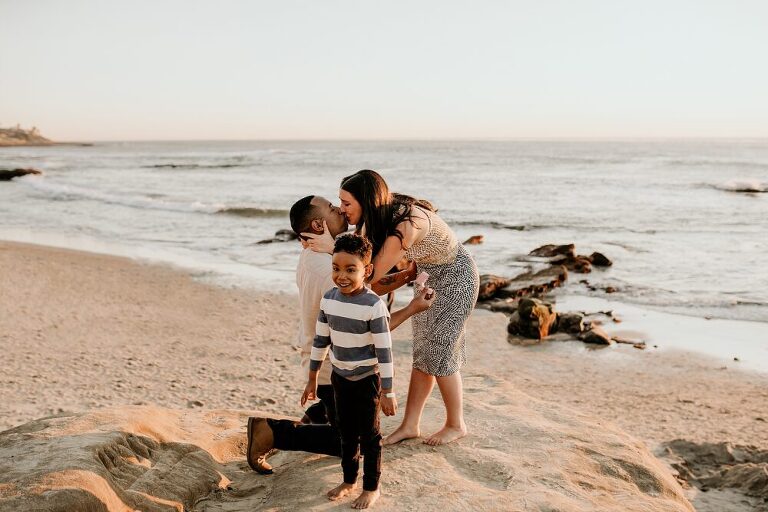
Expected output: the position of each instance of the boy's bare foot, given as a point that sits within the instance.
(446, 435)
(401, 434)
(340, 491)
(366, 499)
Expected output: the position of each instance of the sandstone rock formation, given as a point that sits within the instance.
(533, 319)
(489, 284)
(596, 336)
(571, 323)
(528, 284)
(522, 454)
(722, 466)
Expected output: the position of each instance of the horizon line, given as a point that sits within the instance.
(433, 139)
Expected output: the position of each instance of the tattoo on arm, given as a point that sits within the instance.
(388, 279)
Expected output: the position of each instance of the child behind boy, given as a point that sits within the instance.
(354, 323)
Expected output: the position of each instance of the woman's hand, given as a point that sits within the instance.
(320, 243)
(422, 301)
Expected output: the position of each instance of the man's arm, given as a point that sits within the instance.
(418, 304)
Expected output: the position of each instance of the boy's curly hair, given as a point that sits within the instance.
(354, 244)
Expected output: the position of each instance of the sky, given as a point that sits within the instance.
(357, 69)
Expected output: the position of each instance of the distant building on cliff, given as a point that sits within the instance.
(18, 136)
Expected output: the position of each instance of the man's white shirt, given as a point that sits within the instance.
(313, 278)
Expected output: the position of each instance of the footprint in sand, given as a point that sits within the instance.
(479, 383)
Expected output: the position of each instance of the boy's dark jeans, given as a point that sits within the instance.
(298, 437)
(357, 414)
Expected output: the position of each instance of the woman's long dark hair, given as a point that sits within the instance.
(382, 211)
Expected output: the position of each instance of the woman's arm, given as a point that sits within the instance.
(393, 251)
(393, 281)
(390, 254)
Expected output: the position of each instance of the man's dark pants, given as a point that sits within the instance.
(357, 409)
(299, 437)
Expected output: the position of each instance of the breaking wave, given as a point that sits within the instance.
(196, 166)
(151, 201)
(744, 186)
(249, 211)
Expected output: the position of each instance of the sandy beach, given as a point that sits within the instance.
(82, 332)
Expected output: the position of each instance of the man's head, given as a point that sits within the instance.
(351, 263)
(308, 213)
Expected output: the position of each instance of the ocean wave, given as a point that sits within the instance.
(60, 192)
(151, 201)
(690, 302)
(742, 164)
(536, 227)
(744, 186)
(249, 211)
(185, 167)
(491, 224)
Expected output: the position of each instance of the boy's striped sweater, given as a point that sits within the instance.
(356, 328)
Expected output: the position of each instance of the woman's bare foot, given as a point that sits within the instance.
(446, 435)
(401, 434)
(340, 491)
(366, 499)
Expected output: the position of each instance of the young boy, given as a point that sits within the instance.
(354, 323)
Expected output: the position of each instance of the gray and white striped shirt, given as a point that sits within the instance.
(356, 328)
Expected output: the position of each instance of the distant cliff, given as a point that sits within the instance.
(20, 137)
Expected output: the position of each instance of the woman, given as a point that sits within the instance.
(400, 227)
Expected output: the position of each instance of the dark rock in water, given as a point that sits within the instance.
(610, 289)
(533, 319)
(474, 240)
(513, 326)
(635, 343)
(286, 235)
(534, 283)
(551, 251)
(489, 284)
(282, 235)
(507, 306)
(745, 187)
(599, 259)
(596, 336)
(572, 323)
(566, 255)
(7, 174)
(579, 264)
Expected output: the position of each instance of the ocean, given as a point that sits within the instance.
(667, 212)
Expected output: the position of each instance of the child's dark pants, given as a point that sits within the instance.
(357, 413)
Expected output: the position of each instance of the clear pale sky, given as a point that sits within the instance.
(163, 69)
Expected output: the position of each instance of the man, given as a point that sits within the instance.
(317, 433)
